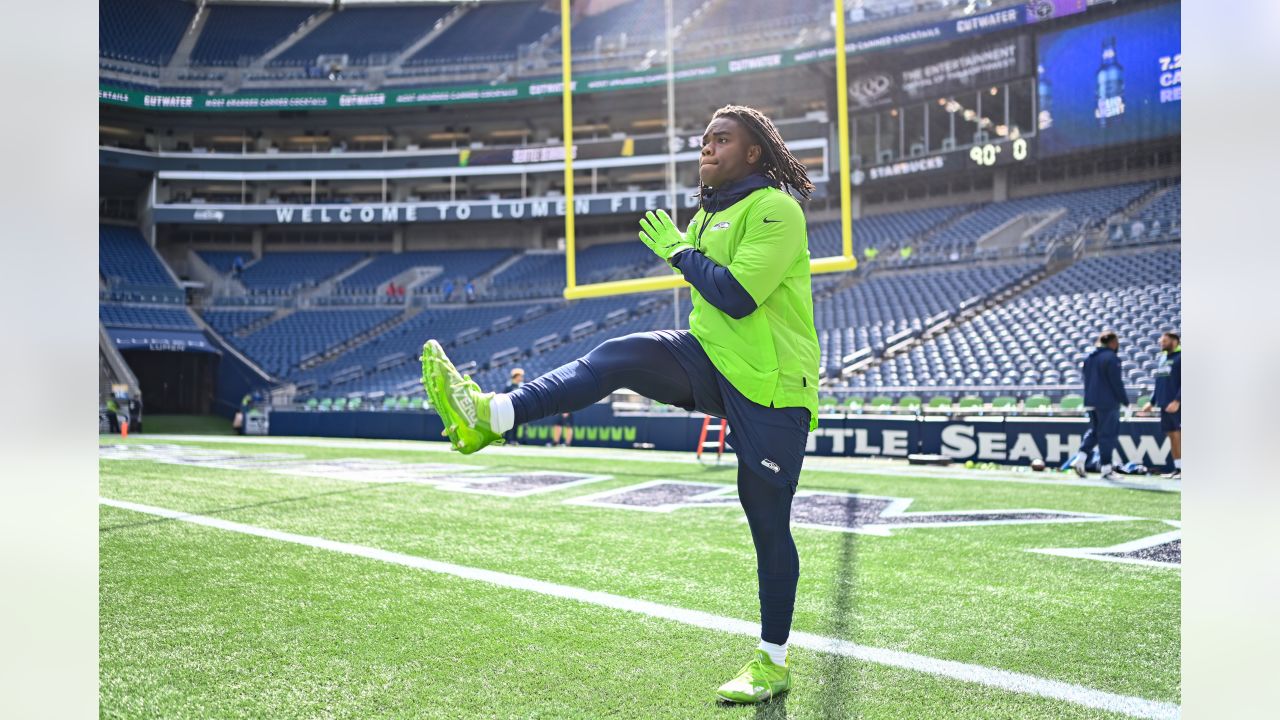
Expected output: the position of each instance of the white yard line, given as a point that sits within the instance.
(1108, 554)
(991, 677)
(812, 463)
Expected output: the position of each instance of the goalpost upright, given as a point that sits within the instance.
(574, 291)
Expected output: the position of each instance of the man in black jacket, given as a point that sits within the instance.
(1104, 395)
(1168, 396)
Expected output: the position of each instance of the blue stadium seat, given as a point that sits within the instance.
(458, 266)
(142, 31)
(281, 345)
(144, 316)
(235, 34)
(226, 322)
(365, 34)
(489, 32)
(132, 269)
(1041, 336)
(284, 272)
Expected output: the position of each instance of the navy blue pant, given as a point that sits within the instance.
(1103, 433)
(671, 367)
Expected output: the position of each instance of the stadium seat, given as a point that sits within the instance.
(970, 401)
(1004, 402)
(366, 35)
(142, 31)
(1036, 402)
(881, 402)
(939, 402)
(488, 32)
(1006, 347)
(1071, 402)
(233, 34)
(312, 404)
(1142, 401)
(909, 401)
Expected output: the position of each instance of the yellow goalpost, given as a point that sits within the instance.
(839, 263)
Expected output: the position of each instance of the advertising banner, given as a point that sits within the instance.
(460, 211)
(1109, 82)
(998, 439)
(160, 340)
(939, 74)
(412, 97)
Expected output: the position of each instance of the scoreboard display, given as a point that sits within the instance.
(1000, 152)
(1114, 81)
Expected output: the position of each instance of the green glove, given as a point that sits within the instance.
(661, 235)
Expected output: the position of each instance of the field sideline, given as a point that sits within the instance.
(314, 578)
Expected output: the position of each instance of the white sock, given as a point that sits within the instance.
(777, 653)
(502, 414)
(1106, 469)
(1177, 463)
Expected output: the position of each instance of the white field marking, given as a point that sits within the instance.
(476, 483)
(991, 677)
(443, 476)
(1106, 554)
(726, 496)
(715, 492)
(813, 463)
(898, 509)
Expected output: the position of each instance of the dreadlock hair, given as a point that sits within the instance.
(776, 161)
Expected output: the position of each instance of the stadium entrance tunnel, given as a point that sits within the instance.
(179, 383)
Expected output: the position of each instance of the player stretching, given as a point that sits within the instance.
(750, 355)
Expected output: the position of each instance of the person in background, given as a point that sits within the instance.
(446, 291)
(237, 266)
(562, 428)
(1168, 397)
(113, 418)
(237, 423)
(135, 414)
(517, 379)
(471, 292)
(1104, 395)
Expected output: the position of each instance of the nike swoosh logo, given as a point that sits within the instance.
(767, 221)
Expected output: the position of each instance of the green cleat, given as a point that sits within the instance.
(757, 681)
(462, 407)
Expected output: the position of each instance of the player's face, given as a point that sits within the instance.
(1166, 343)
(727, 153)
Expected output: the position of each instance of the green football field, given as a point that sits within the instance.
(310, 578)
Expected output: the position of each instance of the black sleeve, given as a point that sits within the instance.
(715, 283)
(1175, 377)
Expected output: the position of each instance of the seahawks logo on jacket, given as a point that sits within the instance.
(723, 225)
